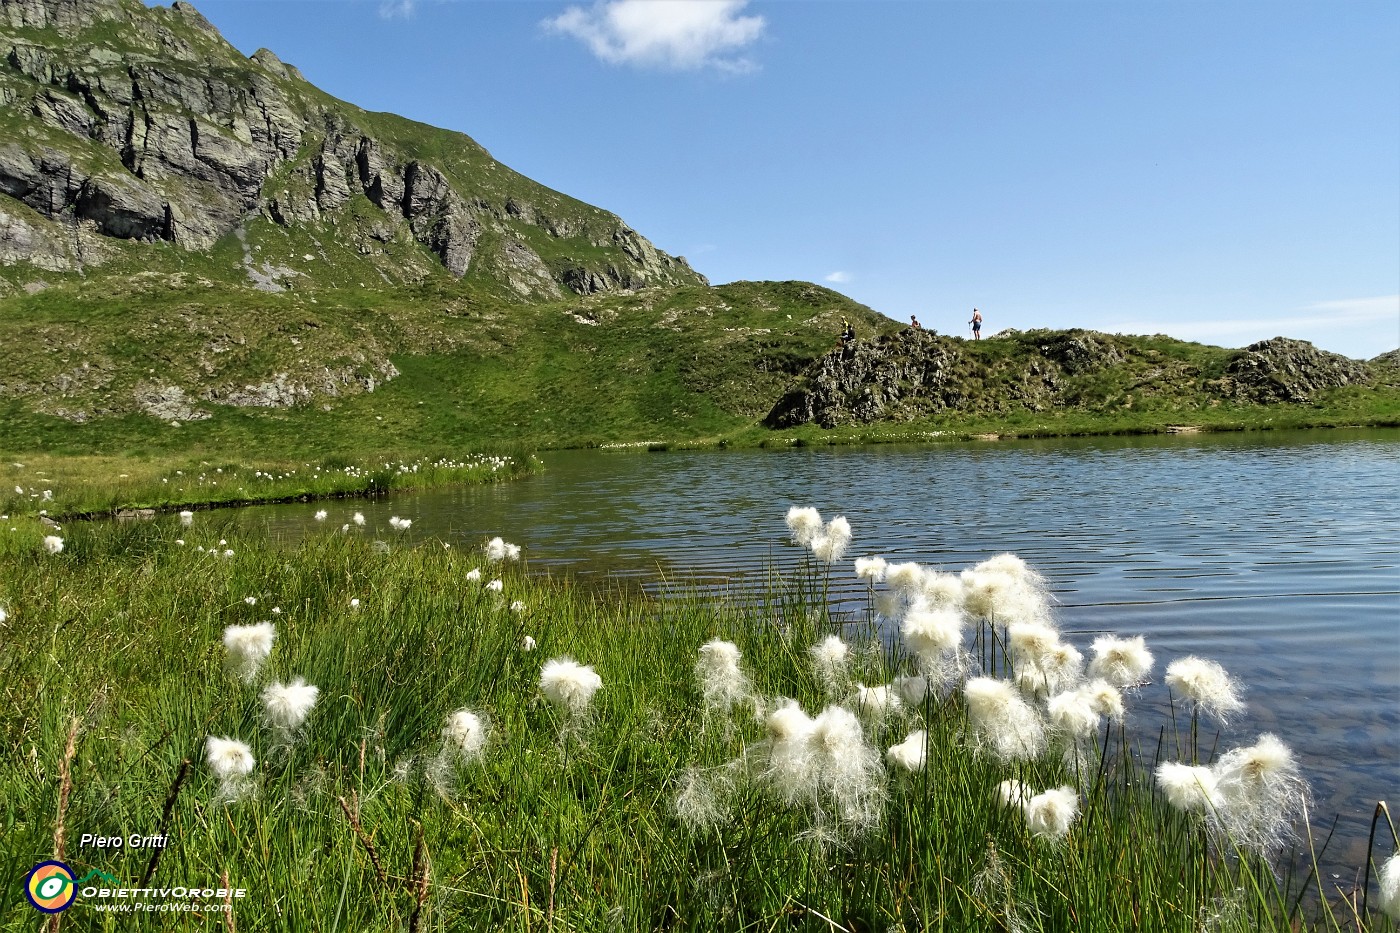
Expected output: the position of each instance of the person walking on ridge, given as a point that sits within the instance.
(976, 323)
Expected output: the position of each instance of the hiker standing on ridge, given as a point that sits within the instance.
(976, 323)
(848, 331)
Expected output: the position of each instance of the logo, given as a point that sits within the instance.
(50, 887)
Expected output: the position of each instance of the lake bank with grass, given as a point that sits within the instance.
(82, 487)
(367, 732)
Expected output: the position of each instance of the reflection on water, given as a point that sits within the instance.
(1276, 555)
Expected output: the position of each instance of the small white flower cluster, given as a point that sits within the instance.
(400, 524)
(1050, 697)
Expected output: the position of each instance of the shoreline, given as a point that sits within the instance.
(147, 496)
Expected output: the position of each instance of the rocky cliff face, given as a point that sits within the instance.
(122, 121)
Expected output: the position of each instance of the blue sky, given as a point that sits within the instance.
(1222, 172)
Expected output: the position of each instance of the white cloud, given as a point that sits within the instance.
(397, 9)
(680, 35)
(839, 277)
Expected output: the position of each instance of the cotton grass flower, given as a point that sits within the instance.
(498, 550)
(1207, 685)
(247, 647)
(400, 524)
(830, 657)
(464, 740)
(495, 586)
(871, 569)
(1004, 590)
(912, 688)
(932, 633)
(911, 754)
(848, 773)
(1107, 699)
(1191, 788)
(320, 515)
(785, 757)
(1056, 670)
(704, 796)
(942, 590)
(473, 575)
(1073, 714)
(466, 734)
(1049, 815)
(186, 517)
(905, 579)
(876, 704)
(232, 763)
(570, 686)
(53, 544)
(723, 685)
(1012, 793)
(1390, 887)
(286, 706)
(804, 524)
(527, 644)
(228, 758)
(1003, 722)
(1123, 662)
(518, 607)
(358, 518)
(830, 545)
(1261, 791)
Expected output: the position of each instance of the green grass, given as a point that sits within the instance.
(120, 636)
(69, 486)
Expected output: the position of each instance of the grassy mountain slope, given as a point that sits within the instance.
(200, 250)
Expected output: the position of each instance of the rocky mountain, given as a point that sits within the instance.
(201, 249)
(124, 122)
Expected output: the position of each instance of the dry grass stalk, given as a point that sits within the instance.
(418, 880)
(65, 791)
(354, 817)
(228, 903)
(180, 777)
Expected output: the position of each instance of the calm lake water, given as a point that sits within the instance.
(1277, 555)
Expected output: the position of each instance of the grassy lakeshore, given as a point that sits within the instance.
(161, 473)
(648, 810)
(85, 486)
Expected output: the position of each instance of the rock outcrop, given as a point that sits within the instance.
(1285, 370)
(916, 374)
(894, 377)
(140, 123)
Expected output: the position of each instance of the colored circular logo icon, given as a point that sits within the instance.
(50, 887)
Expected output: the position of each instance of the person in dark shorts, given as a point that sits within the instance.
(914, 322)
(976, 323)
(848, 331)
